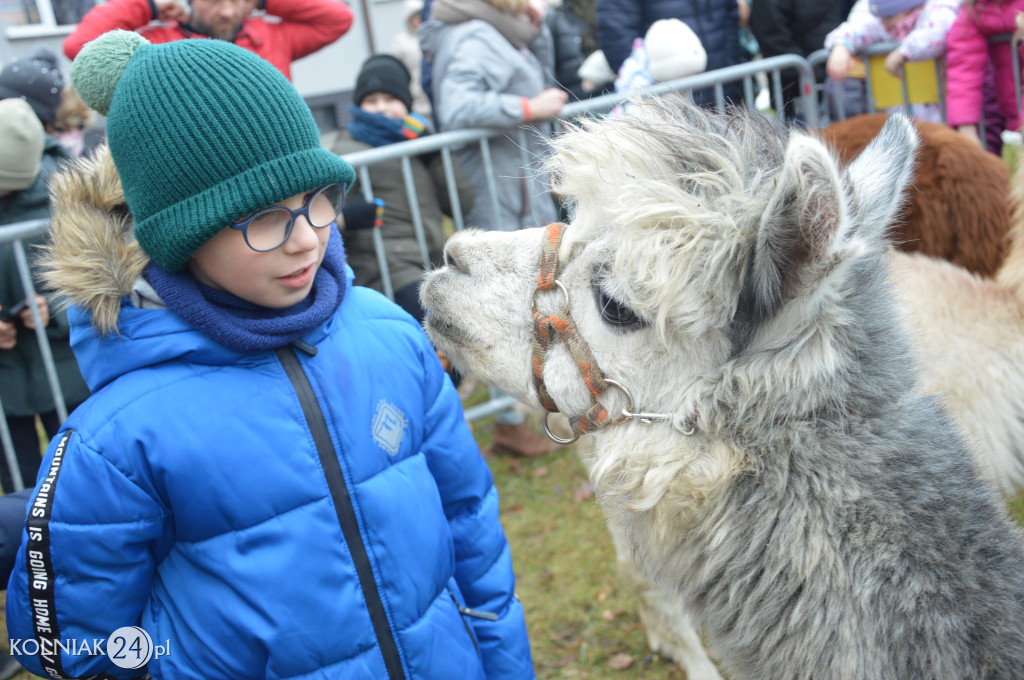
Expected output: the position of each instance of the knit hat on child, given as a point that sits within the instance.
(21, 145)
(202, 133)
(595, 68)
(888, 8)
(673, 50)
(411, 8)
(383, 73)
(37, 80)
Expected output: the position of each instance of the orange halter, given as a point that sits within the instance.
(560, 325)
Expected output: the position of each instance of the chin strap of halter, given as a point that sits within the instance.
(560, 325)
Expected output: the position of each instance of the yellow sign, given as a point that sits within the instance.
(922, 83)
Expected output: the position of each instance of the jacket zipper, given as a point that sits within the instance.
(469, 629)
(343, 506)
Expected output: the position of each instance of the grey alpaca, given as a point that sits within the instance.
(815, 517)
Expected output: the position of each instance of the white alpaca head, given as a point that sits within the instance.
(707, 261)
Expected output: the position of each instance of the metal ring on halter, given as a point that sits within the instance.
(561, 287)
(629, 397)
(554, 437)
(643, 417)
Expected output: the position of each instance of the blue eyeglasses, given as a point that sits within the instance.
(269, 228)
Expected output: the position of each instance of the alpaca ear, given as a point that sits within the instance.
(879, 175)
(799, 229)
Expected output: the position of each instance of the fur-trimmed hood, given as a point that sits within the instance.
(93, 259)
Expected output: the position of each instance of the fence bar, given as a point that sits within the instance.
(12, 459)
(492, 185)
(414, 208)
(490, 407)
(41, 337)
(940, 79)
(453, 189)
(778, 101)
(378, 238)
(748, 89)
(524, 164)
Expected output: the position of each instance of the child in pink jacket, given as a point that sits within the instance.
(968, 51)
(918, 26)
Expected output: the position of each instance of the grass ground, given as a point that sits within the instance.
(581, 623)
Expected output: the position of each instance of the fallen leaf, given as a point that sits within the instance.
(583, 492)
(620, 662)
(539, 472)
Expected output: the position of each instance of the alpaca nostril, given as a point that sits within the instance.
(450, 260)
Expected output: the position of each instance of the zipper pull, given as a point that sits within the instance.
(477, 613)
(305, 347)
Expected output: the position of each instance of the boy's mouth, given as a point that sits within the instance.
(300, 277)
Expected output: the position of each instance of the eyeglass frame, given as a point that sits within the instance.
(243, 225)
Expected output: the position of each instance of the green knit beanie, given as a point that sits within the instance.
(202, 133)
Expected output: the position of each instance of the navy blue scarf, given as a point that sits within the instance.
(244, 326)
(377, 129)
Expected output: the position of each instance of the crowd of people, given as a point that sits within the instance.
(242, 389)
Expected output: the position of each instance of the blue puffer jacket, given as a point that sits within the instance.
(268, 515)
(716, 23)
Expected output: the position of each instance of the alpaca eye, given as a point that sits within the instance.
(614, 312)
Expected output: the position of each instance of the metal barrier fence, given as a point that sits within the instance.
(16, 234)
(748, 75)
(868, 55)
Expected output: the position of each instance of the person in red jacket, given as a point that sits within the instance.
(305, 26)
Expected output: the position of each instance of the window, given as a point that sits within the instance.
(24, 18)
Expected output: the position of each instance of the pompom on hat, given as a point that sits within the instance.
(202, 133)
(888, 8)
(673, 50)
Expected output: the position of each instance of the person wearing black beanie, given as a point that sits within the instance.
(383, 73)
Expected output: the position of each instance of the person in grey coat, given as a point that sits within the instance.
(492, 64)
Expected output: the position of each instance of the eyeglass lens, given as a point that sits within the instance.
(271, 227)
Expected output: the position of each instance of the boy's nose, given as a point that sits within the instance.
(304, 236)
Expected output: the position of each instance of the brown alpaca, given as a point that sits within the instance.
(958, 208)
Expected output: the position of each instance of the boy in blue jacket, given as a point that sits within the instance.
(273, 477)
